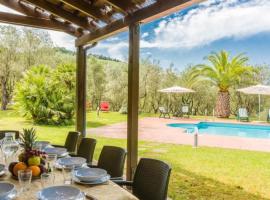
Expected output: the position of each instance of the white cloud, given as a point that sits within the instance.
(62, 40)
(116, 50)
(211, 21)
(145, 34)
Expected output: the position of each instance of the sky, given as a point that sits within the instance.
(188, 36)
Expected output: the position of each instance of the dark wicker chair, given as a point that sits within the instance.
(3, 132)
(86, 149)
(71, 141)
(151, 180)
(112, 159)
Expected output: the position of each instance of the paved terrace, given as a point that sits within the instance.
(155, 130)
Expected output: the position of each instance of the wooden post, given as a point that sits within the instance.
(81, 91)
(133, 99)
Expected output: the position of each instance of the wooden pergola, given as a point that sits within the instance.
(90, 21)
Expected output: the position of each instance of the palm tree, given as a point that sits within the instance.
(223, 73)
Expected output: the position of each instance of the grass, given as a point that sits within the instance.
(203, 173)
(208, 173)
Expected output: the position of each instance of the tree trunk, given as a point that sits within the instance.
(4, 94)
(223, 105)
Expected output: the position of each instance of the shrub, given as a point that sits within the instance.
(47, 95)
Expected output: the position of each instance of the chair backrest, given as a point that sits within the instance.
(105, 106)
(87, 148)
(3, 132)
(151, 179)
(242, 112)
(112, 159)
(185, 109)
(71, 141)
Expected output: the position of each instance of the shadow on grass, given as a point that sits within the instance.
(186, 185)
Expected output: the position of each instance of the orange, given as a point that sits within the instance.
(19, 166)
(35, 170)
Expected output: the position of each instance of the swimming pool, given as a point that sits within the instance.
(227, 129)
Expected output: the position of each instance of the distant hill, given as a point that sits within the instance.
(73, 53)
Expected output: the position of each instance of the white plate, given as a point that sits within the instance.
(60, 193)
(90, 174)
(7, 191)
(42, 144)
(60, 152)
(58, 166)
(71, 161)
(98, 182)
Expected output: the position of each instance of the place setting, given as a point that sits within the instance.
(59, 151)
(90, 176)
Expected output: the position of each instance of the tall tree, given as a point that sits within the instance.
(9, 49)
(97, 79)
(37, 48)
(223, 72)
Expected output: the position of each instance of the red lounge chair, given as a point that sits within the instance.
(104, 106)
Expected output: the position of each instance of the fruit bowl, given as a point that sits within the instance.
(29, 159)
(37, 170)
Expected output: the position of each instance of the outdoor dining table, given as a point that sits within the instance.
(107, 191)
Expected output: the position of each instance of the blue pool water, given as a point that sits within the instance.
(227, 129)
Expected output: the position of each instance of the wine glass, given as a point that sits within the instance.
(9, 146)
(25, 177)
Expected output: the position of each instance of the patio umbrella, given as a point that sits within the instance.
(176, 89)
(258, 90)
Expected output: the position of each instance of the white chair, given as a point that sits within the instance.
(243, 114)
(163, 112)
(185, 110)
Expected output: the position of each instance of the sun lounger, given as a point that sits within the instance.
(243, 114)
(163, 113)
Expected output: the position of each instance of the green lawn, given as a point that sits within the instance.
(203, 173)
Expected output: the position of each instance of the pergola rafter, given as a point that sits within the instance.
(37, 23)
(61, 13)
(89, 10)
(91, 21)
(34, 18)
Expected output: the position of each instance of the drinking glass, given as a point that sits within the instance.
(25, 177)
(47, 179)
(51, 160)
(67, 172)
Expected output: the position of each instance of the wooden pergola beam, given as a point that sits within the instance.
(88, 9)
(21, 8)
(53, 9)
(144, 15)
(81, 91)
(24, 9)
(133, 99)
(35, 23)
